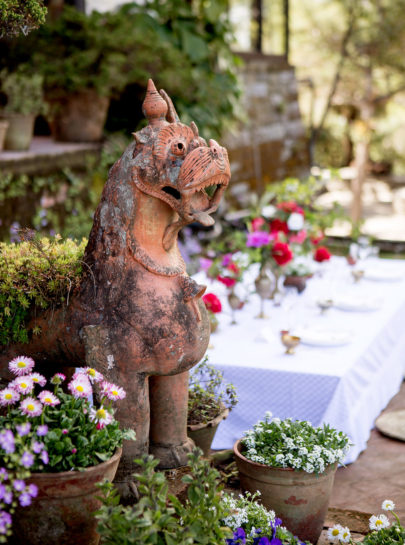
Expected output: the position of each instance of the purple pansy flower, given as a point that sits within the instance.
(23, 429)
(8, 497)
(25, 499)
(7, 441)
(44, 457)
(33, 490)
(19, 485)
(27, 459)
(42, 430)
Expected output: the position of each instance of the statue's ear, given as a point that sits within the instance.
(172, 116)
(142, 136)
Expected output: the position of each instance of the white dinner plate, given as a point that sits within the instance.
(357, 304)
(382, 275)
(323, 337)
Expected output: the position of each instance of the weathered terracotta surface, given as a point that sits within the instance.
(63, 511)
(139, 317)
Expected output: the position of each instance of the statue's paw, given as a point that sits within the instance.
(128, 492)
(171, 456)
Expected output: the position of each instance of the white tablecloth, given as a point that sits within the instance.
(345, 386)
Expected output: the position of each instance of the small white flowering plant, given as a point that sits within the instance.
(46, 429)
(295, 444)
(382, 531)
(253, 524)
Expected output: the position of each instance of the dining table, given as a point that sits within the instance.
(349, 362)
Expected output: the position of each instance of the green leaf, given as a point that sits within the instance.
(194, 46)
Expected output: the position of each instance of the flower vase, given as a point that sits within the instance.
(63, 511)
(264, 288)
(275, 295)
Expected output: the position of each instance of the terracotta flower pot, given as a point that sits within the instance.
(80, 117)
(3, 131)
(63, 511)
(300, 499)
(295, 281)
(203, 434)
(20, 131)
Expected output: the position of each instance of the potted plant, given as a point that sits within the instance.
(55, 446)
(25, 100)
(85, 60)
(209, 402)
(293, 465)
(253, 524)
(296, 275)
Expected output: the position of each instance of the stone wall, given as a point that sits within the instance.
(271, 144)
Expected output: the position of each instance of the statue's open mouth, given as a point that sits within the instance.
(203, 199)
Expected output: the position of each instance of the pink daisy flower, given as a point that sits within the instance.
(113, 392)
(101, 416)
(23, 385)
(8, 396)
(21, 365)
(80, 387)
(31, 407)
(48, 398)
(37, 378)
(58, 378)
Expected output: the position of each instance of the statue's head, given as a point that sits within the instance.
(171, 162)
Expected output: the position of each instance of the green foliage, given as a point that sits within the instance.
(24, 91)
(160, 519)
(183, 46)
(35, 274)
(207, 394)
(20, 16)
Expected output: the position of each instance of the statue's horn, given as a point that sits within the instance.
(172, 116)
(154, 107)
(194, 128)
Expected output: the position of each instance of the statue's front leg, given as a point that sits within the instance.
(132, 412)
(168, 428)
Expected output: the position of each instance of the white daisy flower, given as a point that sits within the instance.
(101, 416)
(37, 378)
(21, 365)
(23, 384)
(48, 398)
(80, 387)
(388, 505)
(112, 392)
(8, 396)
(31, 407)
(335, 533)
(345, 535)
(378, 523)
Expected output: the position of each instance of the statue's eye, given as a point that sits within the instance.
(178, 148)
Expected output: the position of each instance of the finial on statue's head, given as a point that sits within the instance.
(154, 107)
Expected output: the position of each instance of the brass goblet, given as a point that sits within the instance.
(235, 303)
(324, 304)
(290, 342)
(357, 275)
(264, 288)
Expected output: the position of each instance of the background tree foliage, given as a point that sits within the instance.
(352, 53)
(18, 16)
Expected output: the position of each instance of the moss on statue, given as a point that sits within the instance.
(35, 275)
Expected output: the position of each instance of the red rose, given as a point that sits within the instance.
(322, 254)
(277, 225)
(281, 253)
(212, 302)
(257, 223)
(229, 282)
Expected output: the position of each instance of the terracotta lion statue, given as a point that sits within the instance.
(138, 317)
